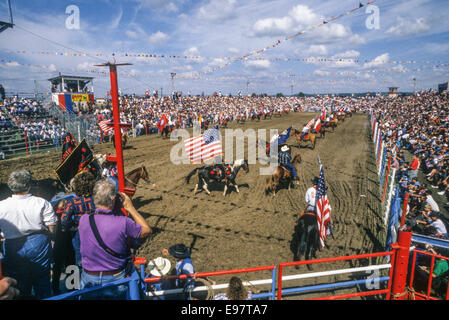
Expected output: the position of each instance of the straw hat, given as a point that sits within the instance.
(159, 266)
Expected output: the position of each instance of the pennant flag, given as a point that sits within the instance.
(162, 123)
(323, 208)
(204, 147)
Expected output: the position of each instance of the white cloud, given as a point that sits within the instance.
(233, 50)
(115, 22)
(321, 73)
(217, 10)
(159, 37)
(302, 18)
(347, 54)
(13, 64)
(193, 51)
(258, 64)
(316, 50)
(378, 61)
(409, 27)
(171, 7)
(273, 26)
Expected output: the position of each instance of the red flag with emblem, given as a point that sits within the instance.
(162, 123)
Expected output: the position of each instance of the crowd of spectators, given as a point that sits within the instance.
(415, 127)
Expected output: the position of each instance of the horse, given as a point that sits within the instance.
(165, 132)
(268, 115)
(207, 175)
(308, 238)
(341, 117)
(322, 132)
(280, 176)
(255, 116)
(331, 124)
(224, 123)
(311, 137)
(124, 139)
(132, 179)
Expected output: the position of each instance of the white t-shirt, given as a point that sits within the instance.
(439, 226)
(431, 202)
(23, 215)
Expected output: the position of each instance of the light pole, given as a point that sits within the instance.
(173, 82)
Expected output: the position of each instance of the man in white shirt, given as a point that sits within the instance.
(27, 223)
(311, 196)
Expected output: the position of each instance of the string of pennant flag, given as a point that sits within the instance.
(155, 56)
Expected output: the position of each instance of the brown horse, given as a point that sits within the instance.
(331, 124)
(280, 176)
(124, 139)
(132, 179)
(311, 137)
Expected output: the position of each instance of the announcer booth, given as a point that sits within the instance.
(393, 92)
(68, 91)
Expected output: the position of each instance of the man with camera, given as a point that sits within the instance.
(105, 235)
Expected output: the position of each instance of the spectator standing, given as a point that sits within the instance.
(236, 291)
(108, 262)
(27, 223)
(83, 203)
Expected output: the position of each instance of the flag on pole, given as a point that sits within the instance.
(323, 208)
(162, 123)
(317, 126)
(310, 124)
(204, 147)
(323, 114)
(106, 127)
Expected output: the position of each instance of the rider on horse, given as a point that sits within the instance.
(281, 139)
(219, 171)
(285, 159)
(305, 131)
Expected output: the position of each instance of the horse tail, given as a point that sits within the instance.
(191, 174)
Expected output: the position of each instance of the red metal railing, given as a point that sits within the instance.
(326, 260)
(427, 295)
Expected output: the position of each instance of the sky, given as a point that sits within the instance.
(228, 46)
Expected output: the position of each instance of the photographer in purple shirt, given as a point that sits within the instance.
(107, 262)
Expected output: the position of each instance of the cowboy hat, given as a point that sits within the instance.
(179, 251)
(315, 181)
(159, 266)
(285, 149)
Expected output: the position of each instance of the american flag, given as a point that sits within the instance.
(323, 208)
(204, 147)
(106, 127)
(310, 124)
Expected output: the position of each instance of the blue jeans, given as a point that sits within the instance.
(303, 135)
(27, 260)
(111, 293)
(292, 167)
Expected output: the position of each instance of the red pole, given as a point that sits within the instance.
(146, 128)
(404, 209)
(386, 180)
(280, 283)
(117, 129)
(401, 265)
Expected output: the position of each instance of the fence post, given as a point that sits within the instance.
(134, 291)
(386, 180)
(404, 209)
(401, 265)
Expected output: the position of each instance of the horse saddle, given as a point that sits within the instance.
(306, 136)
(283, 166)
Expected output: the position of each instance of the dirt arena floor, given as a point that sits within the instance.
(252, 229)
